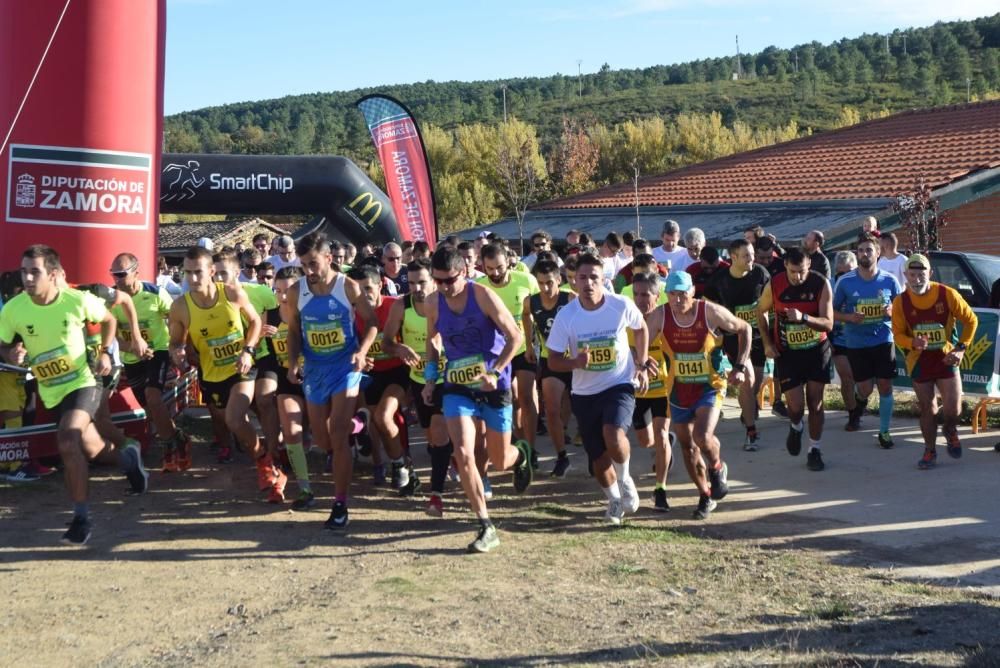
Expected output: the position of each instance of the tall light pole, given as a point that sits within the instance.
(579, 75)
(504, 89)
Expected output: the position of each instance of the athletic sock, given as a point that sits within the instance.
(340, 497)
(621, 470)
(404, 473)
(612, 492)
(885, 404)
(81, 509)
(440, 459)
(813, 445)
(297, 456)
(485, 522)
(798, 427)
(660, 485)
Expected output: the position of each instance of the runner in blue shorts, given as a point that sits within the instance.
(320, 315)
(479, 336)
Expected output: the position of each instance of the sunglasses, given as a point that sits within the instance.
(541, 245)
(447, 281)
(123, 273)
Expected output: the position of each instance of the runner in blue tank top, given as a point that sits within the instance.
(862, 300)
(320, 316)
(479, 336)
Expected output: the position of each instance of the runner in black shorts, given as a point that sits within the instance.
(738, 288)
(539, 313)
(798, 304)
(406, 332)
(844, 262)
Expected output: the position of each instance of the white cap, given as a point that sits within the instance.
(206, 243)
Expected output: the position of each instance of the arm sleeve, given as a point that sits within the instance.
(901, 333)
(964, 314)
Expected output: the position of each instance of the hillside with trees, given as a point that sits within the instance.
(571, 134)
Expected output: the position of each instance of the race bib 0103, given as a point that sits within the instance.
(54, 367)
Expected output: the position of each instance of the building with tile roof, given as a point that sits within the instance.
(828, 181)
(175, 238)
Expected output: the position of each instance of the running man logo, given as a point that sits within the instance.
(364, 203)
(974, 352)
(185, 182)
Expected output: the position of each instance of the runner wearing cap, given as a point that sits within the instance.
(693, 346)
(923, 325)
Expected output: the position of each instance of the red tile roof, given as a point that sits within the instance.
(879, 158)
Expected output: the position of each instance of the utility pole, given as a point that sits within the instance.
(579, 75)
(739, 61)
(904, 44)
(968, 89)
(504, 89)
(887, 44)
(796, 62)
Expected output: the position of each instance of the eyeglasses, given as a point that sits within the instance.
(541, 245)
(447, 281)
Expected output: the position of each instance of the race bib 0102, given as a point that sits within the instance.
(225, 349)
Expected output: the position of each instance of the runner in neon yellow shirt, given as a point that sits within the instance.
(50, 321)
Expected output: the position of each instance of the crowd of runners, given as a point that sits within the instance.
(315, 349)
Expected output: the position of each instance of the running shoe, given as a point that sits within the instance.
(719, 480)
(411, 487)
(705, 507)
(169, 464)
(23, 473)
(885, 440)
(183, 443)
(578, 440)
(854, 418)
(78, 532)
(265, 473)
(338, 519)
(400, 475)
(277, 492)
(523, 471)
(225, 455)
(435, 506)
(778, 408)
(996, 448)
(378, 474)
(630, 495)
(660, 502)
(616, 512)
(486, 539)
(954, 445)
(814, 460)
(752, 440)
(362, 439)
(561, 466)
(487, 489)
(794, 441)
(304, 501)
(928, 461)
(136, 473)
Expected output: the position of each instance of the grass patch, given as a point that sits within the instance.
(626, 570)
(397, 585)
(635, 534)
(834, 610)
(553, 509)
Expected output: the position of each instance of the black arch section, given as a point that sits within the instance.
(355, 209)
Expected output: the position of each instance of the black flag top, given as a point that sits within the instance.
(331, 186)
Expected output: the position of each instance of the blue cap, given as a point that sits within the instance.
(679, 281)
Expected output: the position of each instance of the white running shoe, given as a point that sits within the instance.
(616, 513)
(630, 495)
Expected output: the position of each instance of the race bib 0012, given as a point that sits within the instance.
(325, 337)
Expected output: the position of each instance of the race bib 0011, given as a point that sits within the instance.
(325, 337)
(466, 371)
(691, 368)
(933, 332)
(872, 309)
(602, 355)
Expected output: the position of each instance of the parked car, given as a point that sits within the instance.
(972, 274)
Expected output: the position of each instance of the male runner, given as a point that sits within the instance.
(651, 417)
(479, 336)
(588, 338)
(924, 319)
(386, 392)
(862, 300)
(692, 345)
(147, 374)
(321, 327)
(798, 306)
(513, 287)
(212, 314)
(540, 311)
(50, 321)
(738, 289)
(405, 334)
(843, 262)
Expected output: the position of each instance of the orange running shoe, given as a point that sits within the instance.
(277, 493)
(183, 451)
(265, 473)
(169, 460)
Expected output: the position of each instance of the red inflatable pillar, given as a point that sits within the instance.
(81, 116)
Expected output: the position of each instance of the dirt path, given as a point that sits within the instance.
(201, 572)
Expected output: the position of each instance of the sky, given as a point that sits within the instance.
(223, 51)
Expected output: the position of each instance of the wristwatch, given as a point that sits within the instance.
(960, 347)
(805, 318)
(250, 349)
(741, 368)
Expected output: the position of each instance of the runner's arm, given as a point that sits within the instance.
(902, 335)
(720, 317)
(495, 310)
(764, 305)
(290, 314)
(124, 300)
(390, 335)
(823, 321)
(529, 331)
(177, 323)
(365, 312)
(964, 314)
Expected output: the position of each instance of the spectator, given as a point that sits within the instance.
(392, 268)
(753, 234)
(891, 260)
(165, 278)
(540, 241)
(573, 237)
(265, 274)
(262, 243)
(249, 260)
(766, 255)
(812, 244)
(285, 255)
(670, 254)
(611, 255)
(407, 250)
(468, 252)
(641, 263)
(694, 241)
(351, 253)
(870, 226)
(339, 254)
(421, 250)
(707, 265)
(627, 240)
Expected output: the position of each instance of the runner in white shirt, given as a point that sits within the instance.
(592, 331)
(285, 257)
(670, 254)
(891, 260)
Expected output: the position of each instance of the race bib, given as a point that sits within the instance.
(280, 342)
(225, 349)
(54, 367)
(325, 337)
(872, 309)
(747, 313)
(691, 368)
(376, 352)
(602, 356)
(933, 332)
(800, 336)
(125, 333)
(466, 371)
